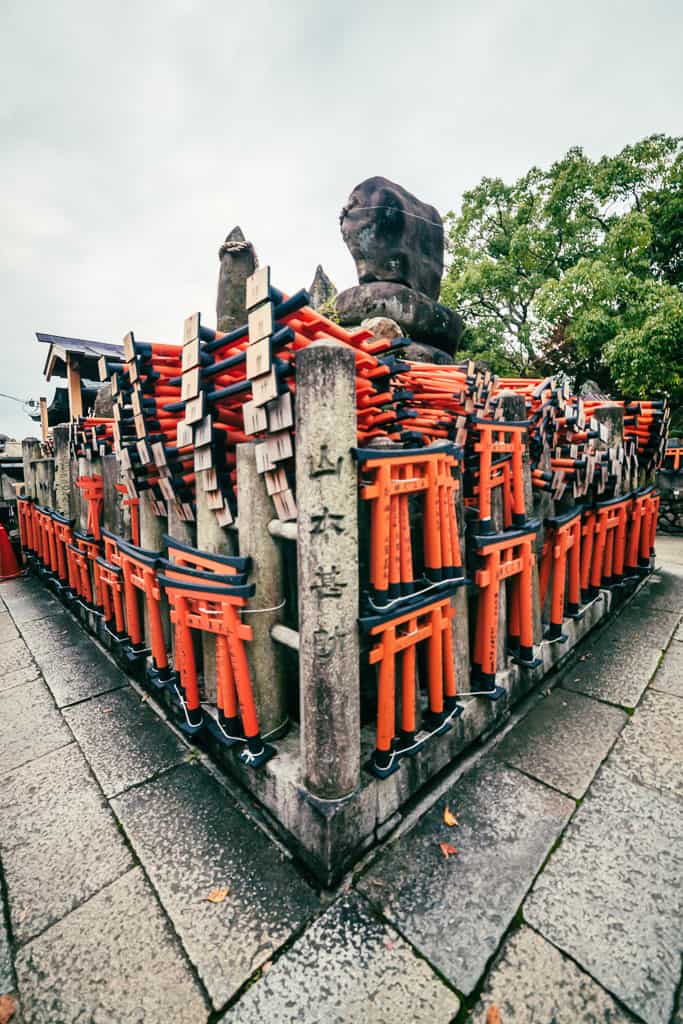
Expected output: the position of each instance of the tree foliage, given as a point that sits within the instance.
(578, 268)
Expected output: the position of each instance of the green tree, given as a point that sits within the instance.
(578, 268)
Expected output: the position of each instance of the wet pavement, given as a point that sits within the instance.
(561, 905)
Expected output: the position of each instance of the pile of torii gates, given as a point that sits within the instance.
(432, 441)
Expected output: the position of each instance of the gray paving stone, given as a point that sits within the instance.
(669, 677)
(664, 589)
(30, 725)
(31, 604)
(641, 624)
(15, 656)
(79, 672)
(347, 967)
(6, 972)
(455, 910)
(650, 749)
(124, 742)
(59, 841)
(26, 674)
(60, 630)
(114, 960)
(614, 670)
(564, 740)
(8, 631)
(531, 982)
(611, 894)
(191, 838)
(669, 550)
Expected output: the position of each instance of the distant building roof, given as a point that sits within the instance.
(87, 353)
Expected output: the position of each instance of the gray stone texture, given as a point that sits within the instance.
(663, 590)
(611, 897)
(124, 741)
(531, 982)
(321, 289)
(47, 635)
(418, 316)
(61, 435)
(348, 967)
(266, 664)
(669, 676)
(59, 841)
(114, 960)
(237, 262)
(191, 839)
(327, 554)
(8, 631)
(563, 740)
(30, 600)
(393, 236)
(30, 725)
(669, 552)
(455, 910)
(79, 672)
(616, 668)
(639, 624)
(26, 674)
(650, 749)
(15, 657)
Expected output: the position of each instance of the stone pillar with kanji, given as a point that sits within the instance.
(327, 554)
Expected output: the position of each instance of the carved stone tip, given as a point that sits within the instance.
(236, 235)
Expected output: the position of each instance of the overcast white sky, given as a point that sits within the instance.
(135, 135)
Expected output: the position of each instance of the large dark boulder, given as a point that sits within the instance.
(418, 316)
(393, 236)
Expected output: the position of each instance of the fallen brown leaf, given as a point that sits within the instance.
(8, 1007)
(448, 817)
(217, 895)
(493, 1016)
(447, 849)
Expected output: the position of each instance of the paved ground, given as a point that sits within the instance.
(562, 905)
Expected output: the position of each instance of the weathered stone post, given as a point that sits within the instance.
(112, 510)
(152, 526)
(83, 470)
(610, 420)
(460, 624)
(266, 664)
(44, 470)
(152, 529)
(63, 502)
(179, 529)
(30, 451)
(327, 557)
(212, 538)
(238, 262)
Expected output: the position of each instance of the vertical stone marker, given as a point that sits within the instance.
(112, 509)
(610, 423)
(62, 437)
(327, 556)
(266, 664)
(30, 451)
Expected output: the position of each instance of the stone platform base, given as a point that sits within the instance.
(329, 837)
